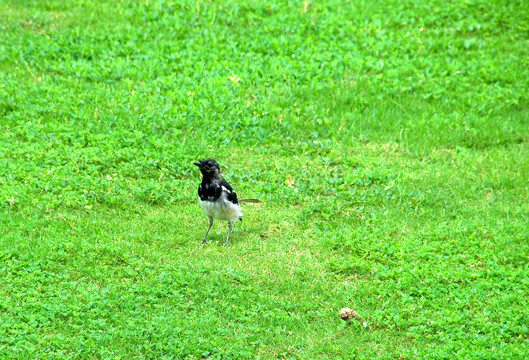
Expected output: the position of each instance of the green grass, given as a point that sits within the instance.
(388, 140)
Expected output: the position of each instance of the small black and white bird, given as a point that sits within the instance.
(217, 198)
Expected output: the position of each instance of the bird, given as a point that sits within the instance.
(217, 198)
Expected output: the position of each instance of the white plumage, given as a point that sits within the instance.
(221, 210)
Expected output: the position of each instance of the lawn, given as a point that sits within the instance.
(388, 142)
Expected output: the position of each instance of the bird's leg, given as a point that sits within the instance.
(210, 223)
(230, 224)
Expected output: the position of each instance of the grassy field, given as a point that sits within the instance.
(388, 141)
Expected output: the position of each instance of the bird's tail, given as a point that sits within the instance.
(250, 200)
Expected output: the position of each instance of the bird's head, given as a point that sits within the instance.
(208, 167)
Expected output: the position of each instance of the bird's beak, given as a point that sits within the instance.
(196, 163)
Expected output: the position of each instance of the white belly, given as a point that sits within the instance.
(221, 210)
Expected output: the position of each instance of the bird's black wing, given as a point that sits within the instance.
(231, 195)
